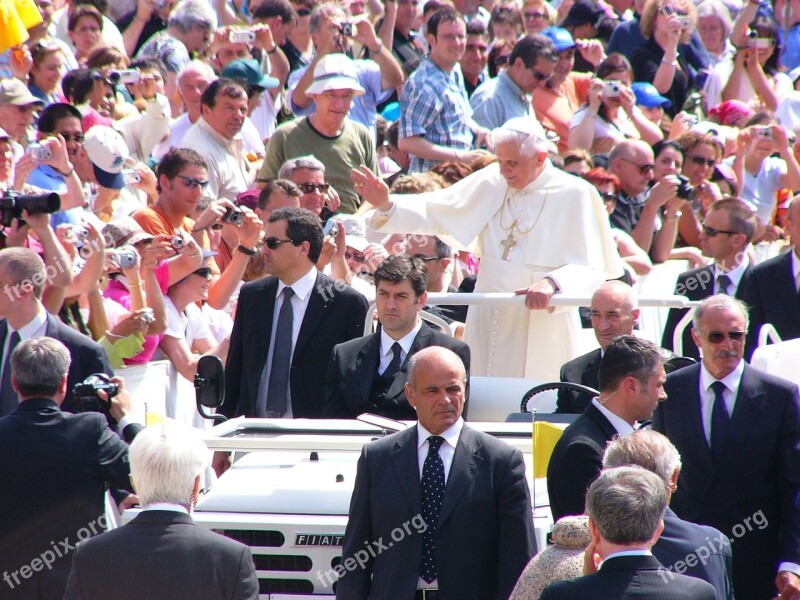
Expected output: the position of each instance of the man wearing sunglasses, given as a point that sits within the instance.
(728, 227)
(508, 95)
(772, 291)
(736, 429)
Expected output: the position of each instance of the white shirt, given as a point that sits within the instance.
(731, 381)
(735, 275)
(302, 289)
(35, 329)
(405, 344)
(618, 423)
(166, 506)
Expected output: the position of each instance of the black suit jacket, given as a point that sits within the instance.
(680, 539)
(87, 357)
(771, 294)
(54, 467)
(583, 370)
(484, 537)
(751, 495)
(354, 368)
(162, 555)
(576, 461)
(628, 577)
(696, 285)
(335, 314)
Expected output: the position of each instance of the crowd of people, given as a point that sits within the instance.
(241, 178)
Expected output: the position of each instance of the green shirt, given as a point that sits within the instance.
(351, 148)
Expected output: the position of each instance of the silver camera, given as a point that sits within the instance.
(125, 76)
(765, 133)
(177, 242)
(611, 89)
(147, 315)
(347, 29)
(243, 36)
(124, 258)
(131, 176)
(40, 153)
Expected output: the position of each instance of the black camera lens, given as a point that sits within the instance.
(234, 216)
(685, 191)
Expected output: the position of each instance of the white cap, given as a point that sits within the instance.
(528, 125)
(355, 229)
(108, 153)
(335, 72)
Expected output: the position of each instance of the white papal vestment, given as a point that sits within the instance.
(561, 231)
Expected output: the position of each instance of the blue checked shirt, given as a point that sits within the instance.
(434, 104)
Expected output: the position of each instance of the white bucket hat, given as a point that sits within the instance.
(335, 72)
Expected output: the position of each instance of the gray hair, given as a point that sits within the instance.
(199, 67)
(719, 301)
(301, 162)
(644, 448)
(326, 9)
(715, 8)
(529, 145)
(165, 460)
(627, 504)
(39, 365)
(191, 13)
(23, 267)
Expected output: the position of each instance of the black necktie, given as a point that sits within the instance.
(278, 389)
(723, 283)
(8, 397)
(719, 419)
(394, 365)
(432, 487)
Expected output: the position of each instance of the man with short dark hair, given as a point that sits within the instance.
(217, 137)
(278, 193)
(59, 464)
(728, 228)
(508, 95)
(476, 56)
(287, 325)
(626, 516)
(461, 494)
(614, 312)
(715, 413)
(631, 386)
(369, 374)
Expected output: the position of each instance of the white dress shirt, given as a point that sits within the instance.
(731, 381)
(618, 423)
(302, 289)
(35, 329)
(405, 344)
(735, 275)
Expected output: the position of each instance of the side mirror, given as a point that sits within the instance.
(209, 385)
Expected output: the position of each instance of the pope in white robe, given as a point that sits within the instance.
(538, 231)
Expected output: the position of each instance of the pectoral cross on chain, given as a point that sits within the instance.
(508, 243)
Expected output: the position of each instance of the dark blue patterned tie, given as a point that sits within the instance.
(723, 283)
(8, 397)
(278, 388)
(432, 485)
(719, 419)
(394, 365)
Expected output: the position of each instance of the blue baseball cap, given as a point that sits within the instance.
(561, 38)
(647, 95)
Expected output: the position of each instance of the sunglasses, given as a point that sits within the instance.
(356, 256)
(272, 242)
(426, 259)
(643, 169)
(69, 137)
(204, 272)
(534, 15)
(609, 197)
(717, 337)
(303, 12)
(310, 188)
(711, 232)
(191, 182)
(539, 76)
(700, 161)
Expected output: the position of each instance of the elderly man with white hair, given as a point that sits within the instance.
(162, 554)
(539, 232)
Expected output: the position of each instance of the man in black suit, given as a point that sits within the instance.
(22, 274)
(279, 353)
(737, 431)
(626, 508)
(772, 290)
(161, 554)
(728, 227)
(631, 386)
(55, 466)
(369, 374)
(459, 497)
(683, 547)
(614, 313)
